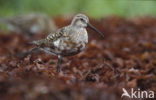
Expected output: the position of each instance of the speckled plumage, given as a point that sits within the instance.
(67, 41)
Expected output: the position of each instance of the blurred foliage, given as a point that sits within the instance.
(94, 8)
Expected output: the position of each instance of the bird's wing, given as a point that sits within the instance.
(56, 35)
(48, 41)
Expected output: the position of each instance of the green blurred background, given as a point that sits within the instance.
(94, 8)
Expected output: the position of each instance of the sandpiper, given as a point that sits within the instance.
(67, 41)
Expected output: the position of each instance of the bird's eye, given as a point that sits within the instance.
(81, 19)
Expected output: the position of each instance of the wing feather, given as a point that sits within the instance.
(54, 36)
(51, 38)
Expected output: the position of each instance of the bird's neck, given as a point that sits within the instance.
(78, 27)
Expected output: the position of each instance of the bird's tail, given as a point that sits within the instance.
(33, 43)
(36, 43)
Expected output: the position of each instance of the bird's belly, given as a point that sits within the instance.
(67, 47)
(72, 48)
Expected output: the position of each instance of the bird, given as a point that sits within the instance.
(30, 24)
(66, 41)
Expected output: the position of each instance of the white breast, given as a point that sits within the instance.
(81, 35)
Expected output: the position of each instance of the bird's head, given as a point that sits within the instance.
(82, 21)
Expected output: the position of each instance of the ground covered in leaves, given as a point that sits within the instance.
(124, 58)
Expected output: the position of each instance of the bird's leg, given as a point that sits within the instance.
(59, 63)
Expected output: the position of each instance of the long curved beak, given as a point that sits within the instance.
(93, 28)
